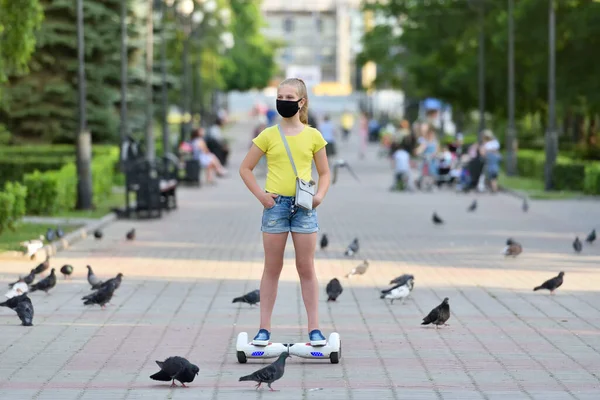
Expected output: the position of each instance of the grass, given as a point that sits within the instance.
(534, 188)
(101, 209)
(9, 240)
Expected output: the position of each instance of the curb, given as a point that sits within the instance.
(69, 239)
(512, 192)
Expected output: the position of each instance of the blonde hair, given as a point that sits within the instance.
(302, 93)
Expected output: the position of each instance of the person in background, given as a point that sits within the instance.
(491, 154)
(364, 134)
(401, 164)
(216, 142)
(347, 124)
(327, 129)
(271, 116)
(208, 160)
(457, 148)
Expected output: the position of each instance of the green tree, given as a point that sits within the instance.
(250, 63)
(43, 103)
(17, 43)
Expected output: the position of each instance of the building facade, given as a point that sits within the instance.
(319, 39)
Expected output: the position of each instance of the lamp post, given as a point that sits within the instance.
(551, 135)
(150, 149)
(481, 62)
(124, 62)
(511, 159)
(84, 138)
(163, 7)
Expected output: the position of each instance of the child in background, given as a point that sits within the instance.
(401, 162)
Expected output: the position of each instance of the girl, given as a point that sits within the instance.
(280, 216)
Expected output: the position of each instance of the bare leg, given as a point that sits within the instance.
(305, 244)
(218, 166)
(274, 245)
(210, 169)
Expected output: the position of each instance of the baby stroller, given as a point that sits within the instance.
(445, 165)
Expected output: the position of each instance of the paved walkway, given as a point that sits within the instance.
(504, 341)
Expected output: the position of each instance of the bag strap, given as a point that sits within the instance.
(287, 148)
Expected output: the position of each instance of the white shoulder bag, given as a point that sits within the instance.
(304, 190)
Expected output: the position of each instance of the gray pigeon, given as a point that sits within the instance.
(176, 368)
(473, 206)
(359, 269)
(101, 296)
(116, 280)
(552, 284)
(401, 280)
(22, 305)
(45, 284)
(512, 248)
(24, 311)
(268, 374)
(251, 298)
(525, 205)
(439, 315)
(28, 279)
(333, 289)
(352, 248)
(93, 280)
(577, 246)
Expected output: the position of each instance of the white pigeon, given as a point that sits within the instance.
(399, 293)
(18, 289)
(33, 246)
(359, 269)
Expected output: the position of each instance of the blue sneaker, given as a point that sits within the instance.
(316, 338)
(262, 338)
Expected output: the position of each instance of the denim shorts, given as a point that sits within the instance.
(284, 216)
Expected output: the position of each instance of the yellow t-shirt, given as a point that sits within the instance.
(280, 176)
(347, 121)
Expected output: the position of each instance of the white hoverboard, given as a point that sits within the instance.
(332, 350)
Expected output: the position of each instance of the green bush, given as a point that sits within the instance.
(12, 205)
(53, 191)
(14, 167)
(568, 175)
(50, 150)
(591, 184)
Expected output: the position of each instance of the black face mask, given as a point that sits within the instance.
(288, 108)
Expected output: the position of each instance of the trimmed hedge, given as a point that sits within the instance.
(568, 174)
(50, 150)
(52, 191)
(14, 167)
(12, 205)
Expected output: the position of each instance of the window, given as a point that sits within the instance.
(288, 25)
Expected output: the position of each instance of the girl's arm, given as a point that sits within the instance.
(248, 165)
(322, 165)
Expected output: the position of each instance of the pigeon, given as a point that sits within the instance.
(43, 266)
(342, 164)
(551, 284)
(401, 280)
(251, 298)
(45, 284)
(32, 246)
(117, 281)
(66, 270)
(50, 235)
(98, 234)
(18, 289)
(176, 369)
(577, 245)
(60, 233)
(101, 296)
(473, 206)
(333, 289)
(439, 315)
(525, 206)
(436, 219)
(359, 270)
(398, 292)
(591, 237)
(512, 248)
(13, 301)
(24, 311)
(270, 373)
(22, 305)
(93, 280)
(352, 248)
(26, 279)
(324, 242)
(131, 234)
